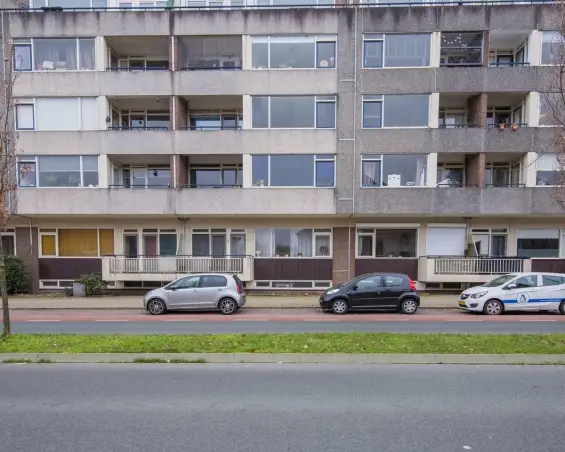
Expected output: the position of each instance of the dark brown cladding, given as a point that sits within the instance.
(407, 266)
(548, 265)
(68, 268)
(300, 269)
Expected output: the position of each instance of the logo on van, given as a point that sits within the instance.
(523, 298)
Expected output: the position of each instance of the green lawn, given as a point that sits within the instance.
(287, 343)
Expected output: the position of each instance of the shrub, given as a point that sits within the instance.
(93, 284)
(16, 275)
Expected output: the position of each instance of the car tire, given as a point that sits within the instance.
(340, 306)
(227, 306)
(493, 307)
(562, 308)
(408, 306)
(156, 307)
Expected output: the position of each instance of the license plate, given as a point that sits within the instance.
(461, 303)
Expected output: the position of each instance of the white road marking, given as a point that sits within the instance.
(111, 320)
(180, 320)
(250, 320)
(42, 320)
(538, 320)
(463, 320)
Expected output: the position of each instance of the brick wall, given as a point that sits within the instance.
(342, 269)
(486, 47)
(174, 54)
(27, 250)
(477, 110)
(475, 164)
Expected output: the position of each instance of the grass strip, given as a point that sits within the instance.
(287, 343)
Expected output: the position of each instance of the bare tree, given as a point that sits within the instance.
(8, 172)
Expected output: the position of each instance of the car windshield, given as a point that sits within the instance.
(499, 281)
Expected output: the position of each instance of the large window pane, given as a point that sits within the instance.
(552, 109)
(59, 171)
(24, 117)
(200, 245)
(407, 170)
(57, 113)
(86, 54)
(292, 112)
(22, 57)
(538, 243)
(260, 170)
(260, 55)
(168, 244)
(27, 174)
(106, 237)
(89, 113)
(461, 49)
(372, 54)
(325, 54)
(158, 177)
(55, 54)
(292, 171)
(365, 245)
(325, 115)
(78, 242)
(372, 115)
(549, 171)
(395, 243)
(407, 50)
(260, 112)
(371, 173)
(289, 54)
(293, 242)
(552, 46)
(325, 174)
(263, 242)
(48, 245)
(406, 110)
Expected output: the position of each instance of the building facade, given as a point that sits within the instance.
(295, 147)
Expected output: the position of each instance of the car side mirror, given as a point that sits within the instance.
(511, 286)
(354, 287)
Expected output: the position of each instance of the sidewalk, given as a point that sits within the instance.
(253, 301)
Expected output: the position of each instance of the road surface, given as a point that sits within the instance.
(276, 408)
(279, 321)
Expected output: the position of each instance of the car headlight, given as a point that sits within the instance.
(479, 295)
(331, 292)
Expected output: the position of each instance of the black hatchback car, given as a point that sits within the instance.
(373, 292)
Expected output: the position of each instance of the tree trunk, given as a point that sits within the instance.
(4, 294)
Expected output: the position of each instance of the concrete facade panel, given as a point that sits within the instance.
(397, 81)
(391, 20)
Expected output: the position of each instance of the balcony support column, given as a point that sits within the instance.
(475, 165)
(174, 57)
(431, 176)
(104, 171)
(534, 48)
(343, 254)
(486, 47)
(477, 110)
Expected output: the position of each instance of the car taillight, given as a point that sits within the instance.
(239, 289)
(412, 285)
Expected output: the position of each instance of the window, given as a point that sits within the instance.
(538, 242)
(69, 3)
(9, 242)
(370, 283)
(293, 112)
(393, 170)
(293, 242)
(58, 171)
(525, 282)
(552, 280)
(488, 242)
(461, 49)
(54, 54)
(218, 242)
(76, 242)
(210, 52)
(551, 45)
(396, 110)
(57, 113)
(548, 170)
(293, 170)
(217, 176)
(185, 283)
(452, 118)
(400, 50)
(140, 119)
(450, 175)
(141, 177)
(293, 52)
(551, 109)
(213, 281)
(386, 242)
(393, 281)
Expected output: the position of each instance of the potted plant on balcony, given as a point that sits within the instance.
(74, 180)
(52, 179)
(501, 126)
(515, 126)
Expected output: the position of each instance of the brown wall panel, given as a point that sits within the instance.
(407, 266)
(300, 269)
(67, 268)
(548, 265)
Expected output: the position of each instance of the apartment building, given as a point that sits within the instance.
(295, 147)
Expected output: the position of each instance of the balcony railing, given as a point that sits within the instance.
(138, 128)
(206, 67)
(139, 186)
(177, 264)
(509, 64)
(212, 127)
(133, 69)
(458, 126)
(514, 125)
(477, 265)
(211, 186)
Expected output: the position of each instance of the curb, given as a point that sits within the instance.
(278, 358)
(124, 308)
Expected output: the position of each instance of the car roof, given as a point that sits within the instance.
(535, 273)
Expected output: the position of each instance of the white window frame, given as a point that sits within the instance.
(274, 284)
(376, 98)
(373, 234)
(49, 232)
(490, 232)
(32, 101)
(10, 232)
(447, 166)
(159, 5)
(315, 159)
(25, 104)
(30, 42)
(561, 232)
(315, 232)
(543, 32)
(296, 38)
(536, 169)
(155, 232)
(120, 170)
(228, 232)
(35, 160)
(380, 158)
(539, 111)
(373, 37)
(316, 99)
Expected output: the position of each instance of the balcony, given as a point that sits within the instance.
(474, 270)
(144, 268)
(139, 113)
(210, 53)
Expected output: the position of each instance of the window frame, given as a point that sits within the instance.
(376, 98)
(315, 39)
(315, 98)
(34, 159)
(209, 232)
(387, 227)
(538, 158)
(54, 232)
(316, 232)
(542, 41)
(373, 37)
(24, 104)
(20, 42)
(10, 232)
(316, 159)
(560, 241)
(380, 158)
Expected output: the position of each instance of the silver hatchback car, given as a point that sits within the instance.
(211, 291)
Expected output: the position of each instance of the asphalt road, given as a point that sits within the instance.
(529, 326)
(276, 408)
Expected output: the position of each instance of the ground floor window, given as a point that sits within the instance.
(293, 242)
(150, 242)
(292, 284)
(9, 242)
(538, 242)
(376, 242)
(76, 242)
(218, 242)
(488, 242)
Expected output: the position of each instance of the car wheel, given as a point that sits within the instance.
(408, 306)
(562, 307)
(227, 306)
(156, 307)
(340, 306)
(493, 307)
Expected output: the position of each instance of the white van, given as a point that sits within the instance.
(517, 292)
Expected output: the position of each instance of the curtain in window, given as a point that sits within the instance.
(106, 237)
(48, 245)
(86, 54)
(420, 178)
(263, 243)
(78, 242)
(200, 245)
(55, 54)
(304, 245)
(371, 173)
(407, 50)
